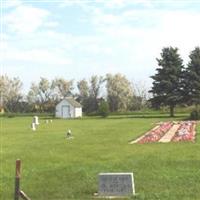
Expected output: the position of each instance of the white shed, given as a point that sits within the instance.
(68, 108)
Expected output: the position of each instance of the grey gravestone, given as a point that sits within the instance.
(116, 184)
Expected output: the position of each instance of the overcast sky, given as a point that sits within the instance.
(75, 39)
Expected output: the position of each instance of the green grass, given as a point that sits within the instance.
(54, 168)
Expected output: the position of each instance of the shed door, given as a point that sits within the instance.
(66, 112)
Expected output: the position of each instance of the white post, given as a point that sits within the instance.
(35, 120)
(33, 126)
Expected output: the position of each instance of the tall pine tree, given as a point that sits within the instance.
(166, 84)
(191, 90)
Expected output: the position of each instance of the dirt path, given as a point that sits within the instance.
(170, 134)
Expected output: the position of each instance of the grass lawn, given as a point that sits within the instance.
(54, 168)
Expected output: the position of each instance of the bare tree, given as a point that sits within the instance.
(141, 95)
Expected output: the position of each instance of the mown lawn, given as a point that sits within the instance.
(54, 168)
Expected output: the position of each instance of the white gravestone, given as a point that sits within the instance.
(116, 184)
(33, 126)
(47, 121)
(35, 120)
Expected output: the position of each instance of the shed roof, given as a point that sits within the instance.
(73, 102)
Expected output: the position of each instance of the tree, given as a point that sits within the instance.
(4, 81)
(167, 80)
(62, 88)
(83, 95)
(141, 96)
(104, 108)
(83, 88)
(119, 92)
(40, 95)
(191, 90)
(94, 92)
(89, 93)
(10, 90)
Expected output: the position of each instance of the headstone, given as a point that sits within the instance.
(51, 120)
(33, 126)
(116, 184)
(47, 121)
(35, 120)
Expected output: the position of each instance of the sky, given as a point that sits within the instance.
(76, 39)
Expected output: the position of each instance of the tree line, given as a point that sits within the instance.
(113, 92)
(175, 83)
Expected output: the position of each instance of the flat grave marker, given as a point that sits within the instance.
(116, 185)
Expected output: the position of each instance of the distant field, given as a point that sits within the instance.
(54, 168)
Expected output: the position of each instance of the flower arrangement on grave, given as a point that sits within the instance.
(156, 134)
(186, 132)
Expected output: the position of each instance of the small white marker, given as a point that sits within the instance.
(33, 126)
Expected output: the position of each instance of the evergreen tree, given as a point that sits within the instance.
(191, 90)
(167, 80)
